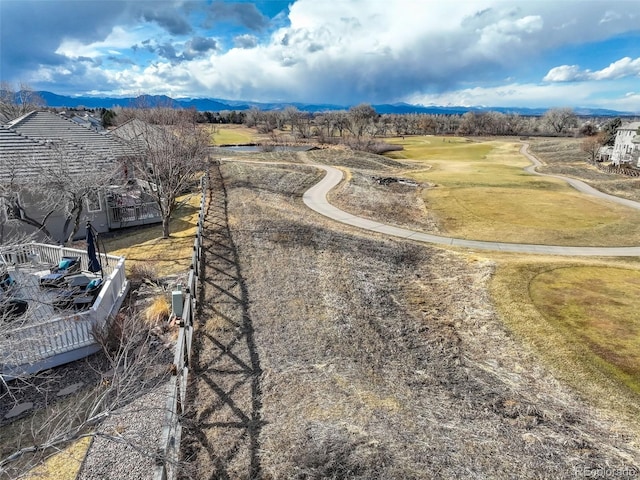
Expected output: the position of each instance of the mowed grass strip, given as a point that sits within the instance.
(233, 135)
(581, 318)
(480, 191)
(64, 465)
(598, 307)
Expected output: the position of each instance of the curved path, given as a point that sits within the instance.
(316, 199)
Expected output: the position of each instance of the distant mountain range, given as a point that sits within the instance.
(218, 105)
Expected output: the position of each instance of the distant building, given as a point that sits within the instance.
(626, 149)
(604, 153)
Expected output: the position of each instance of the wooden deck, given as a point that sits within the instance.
(47, 336)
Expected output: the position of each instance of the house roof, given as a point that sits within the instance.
(49, 126)
(630, 126)
(138, 133)
(22, 157)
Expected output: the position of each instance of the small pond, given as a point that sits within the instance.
(260, 148)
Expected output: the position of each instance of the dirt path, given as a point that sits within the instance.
(222, 427)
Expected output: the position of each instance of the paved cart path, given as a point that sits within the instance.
(316, 199)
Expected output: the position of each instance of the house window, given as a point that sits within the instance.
(10, 210)
(94, 203)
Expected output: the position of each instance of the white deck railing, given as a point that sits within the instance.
(68, 336)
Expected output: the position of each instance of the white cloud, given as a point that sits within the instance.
(610, 16)
(507, 31)
(351, 51)
(564, 73)
(625, 67)
(119, 38)
(601, 95)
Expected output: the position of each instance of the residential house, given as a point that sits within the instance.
(37, 143)
(604, 153)
(626, 149)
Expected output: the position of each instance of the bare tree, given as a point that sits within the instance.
(172, 150)
(127, 369)
(35, 191)
(300, 122)
(65, 189)
(592, 145)
(15, 103)
(12, 191)
(560, 119)
(361, 118)
(610, 129)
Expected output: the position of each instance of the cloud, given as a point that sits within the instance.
(535, 95)
(198, 46)
(564, 73)
(246, 41)
(610, 16)
(342, 52)
(625, 67)
(167, 19)
(245, 14)
(180, 51)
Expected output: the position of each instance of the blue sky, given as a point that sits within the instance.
(543, 53)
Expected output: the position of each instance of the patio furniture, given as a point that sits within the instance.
(7, 283)
(89, 296)
(78, 295)
(13, 308)
(66, 267)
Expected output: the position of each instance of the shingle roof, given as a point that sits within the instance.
(630, 126)
(41, 141)
(137, 133)
(43, 125)
(22, 157)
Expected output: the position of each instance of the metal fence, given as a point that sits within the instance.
(169, 451)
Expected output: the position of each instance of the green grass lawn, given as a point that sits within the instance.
(233, 135)
(582, 317)
(479, 190)
(600, 308)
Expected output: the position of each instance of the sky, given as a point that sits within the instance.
(535, 53)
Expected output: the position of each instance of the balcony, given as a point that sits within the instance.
(49, 334)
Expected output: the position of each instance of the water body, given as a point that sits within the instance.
(260, 148)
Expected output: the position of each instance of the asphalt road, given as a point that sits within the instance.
(316, 199)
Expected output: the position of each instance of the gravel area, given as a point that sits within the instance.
(134, 400)
(126, 442)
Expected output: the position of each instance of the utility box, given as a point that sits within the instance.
(177, 301)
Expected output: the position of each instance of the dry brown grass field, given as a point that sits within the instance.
(370, 357)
